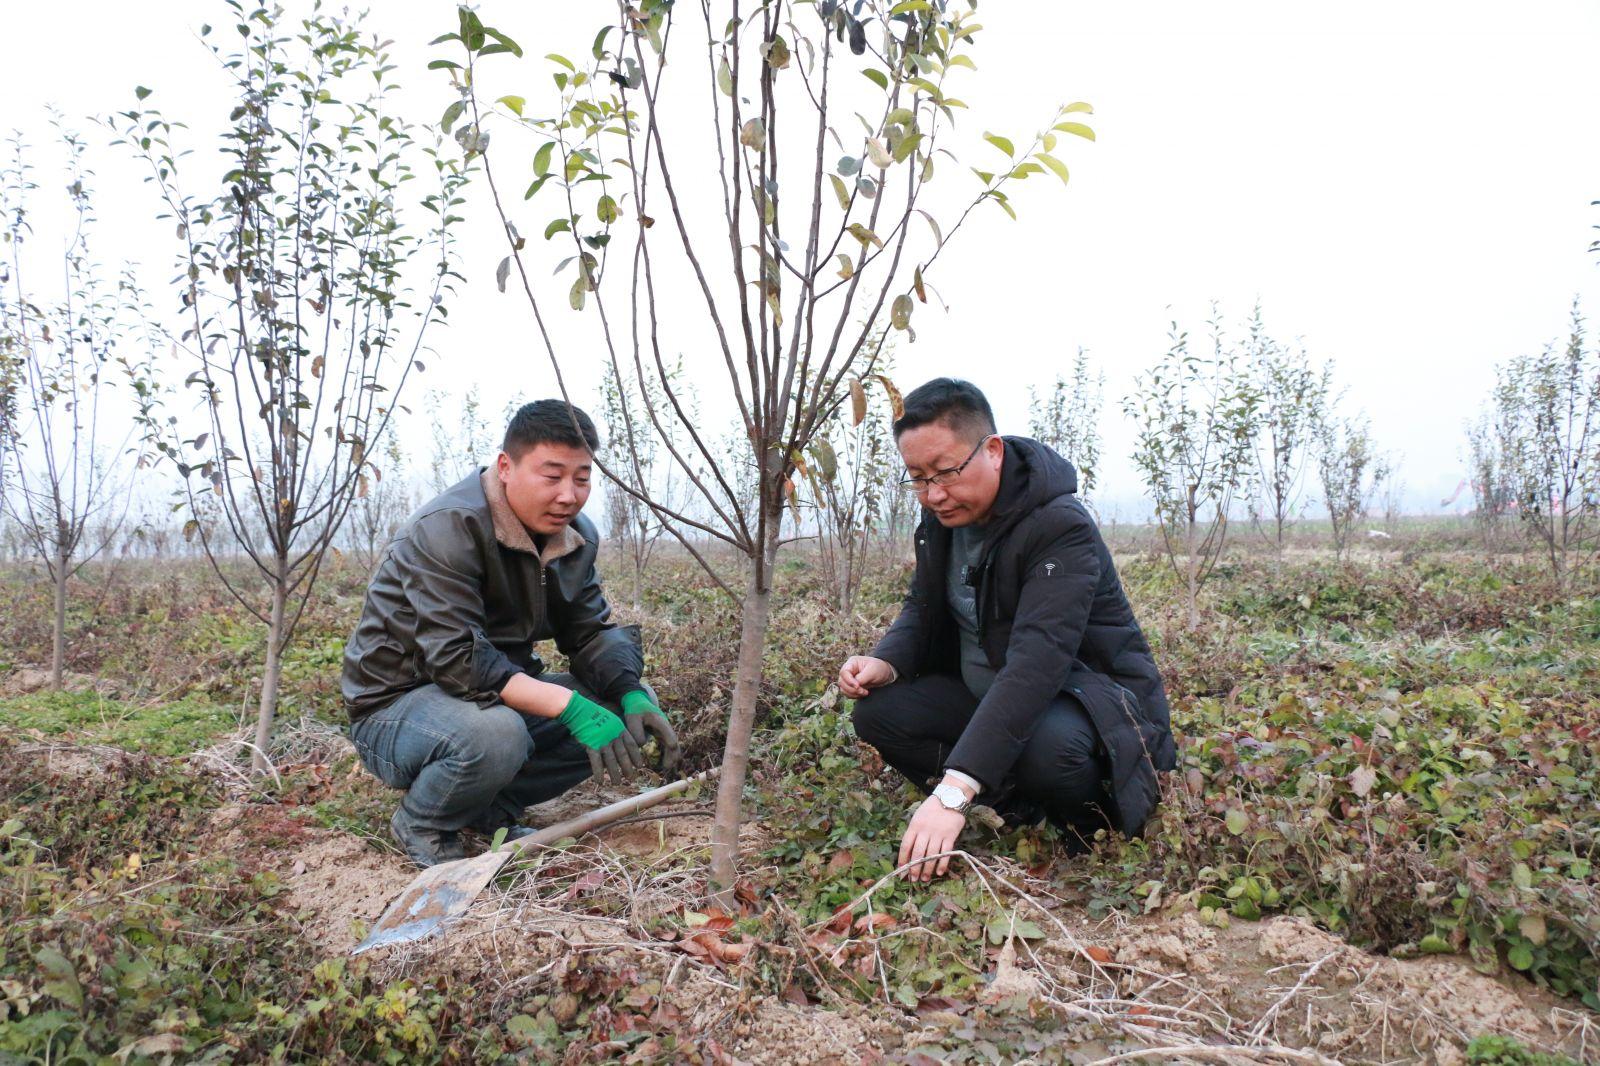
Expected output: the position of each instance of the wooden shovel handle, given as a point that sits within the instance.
(604, 816)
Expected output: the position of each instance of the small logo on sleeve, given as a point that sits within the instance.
(1050, 566)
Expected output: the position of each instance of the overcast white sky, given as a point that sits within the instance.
(1405, 186)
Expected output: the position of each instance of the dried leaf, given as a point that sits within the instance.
(858, 414)
(897, 405)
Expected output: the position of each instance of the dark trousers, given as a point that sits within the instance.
(915, 722)
(462, 765)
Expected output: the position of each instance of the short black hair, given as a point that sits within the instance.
(960, 405)
(549, 422)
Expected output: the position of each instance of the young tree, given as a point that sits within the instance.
(767, 246)
(69, 496)
(384, 499)
(1492, 495)
(463, 438)
(1195, 414)
(1351, 471)
(1291, 396)
(851, 470)
(297, 290)
(639, 471)
(1547, 421)
(1068, 419)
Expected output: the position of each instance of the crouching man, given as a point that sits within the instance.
(447, 699)
(1015, 674)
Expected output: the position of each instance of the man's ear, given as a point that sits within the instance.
(995, 449)
(502, 466)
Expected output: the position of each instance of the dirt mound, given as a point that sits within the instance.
(341, 884)
(1287, 981)
(26, 679)
(576, 916)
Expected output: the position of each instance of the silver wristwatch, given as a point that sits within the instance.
(952, 798)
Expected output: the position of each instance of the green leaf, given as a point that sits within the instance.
(1057, 167)
(538, 183)
(61, 978)
(600, 42)
(1079, 107)
(900, 116)
(513, 103)
(863, 234)
(561, 61)
(839, 191)
(877, 77)
(499, 838)
(579, 287)
(140, 91)
(452, 113)
(1237, 821)
(560, 225)
(907, 145)
(541, 158)
(606, 210)
(848, 165)
(900, 313)
(753, 133)
(847, 269)
(1520, 957)
(910, 5)
(1434, 944)
(1001, 143)
(435, 64)
(938, 235)
(725, 77)
(1076, 128)
(502, 272)
(962, 61)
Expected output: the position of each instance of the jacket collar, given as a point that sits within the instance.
(511, 533)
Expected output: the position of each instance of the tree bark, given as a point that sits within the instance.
(268, 707)
(58, 637)
(741, 722)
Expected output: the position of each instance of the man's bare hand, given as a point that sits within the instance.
(933, 829)
(861, 673)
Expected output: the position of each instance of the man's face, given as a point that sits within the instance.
(961, 499)
(548, 486)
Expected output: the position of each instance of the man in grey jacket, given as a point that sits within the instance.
(446, 696)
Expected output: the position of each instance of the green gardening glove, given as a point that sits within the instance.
(611, 751)
(644, 719)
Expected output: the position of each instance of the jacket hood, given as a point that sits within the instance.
(1032, 475)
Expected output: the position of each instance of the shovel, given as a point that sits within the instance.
(444, 892)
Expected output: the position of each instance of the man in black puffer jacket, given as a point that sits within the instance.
(1016, 673)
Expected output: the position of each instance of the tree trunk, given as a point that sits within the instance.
(269, 682)
(741, 721)
(1193, 574)
(58, 637)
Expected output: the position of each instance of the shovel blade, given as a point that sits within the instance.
(436, 897)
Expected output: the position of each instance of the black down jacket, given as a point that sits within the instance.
(1052, 619)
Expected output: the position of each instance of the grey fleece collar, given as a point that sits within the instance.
(511, 533)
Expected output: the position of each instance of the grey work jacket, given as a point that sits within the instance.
(462, 595)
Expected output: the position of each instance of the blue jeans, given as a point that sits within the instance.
(462, 765)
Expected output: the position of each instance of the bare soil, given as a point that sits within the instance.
(1281, 981)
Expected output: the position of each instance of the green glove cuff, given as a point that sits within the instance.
(639, 702)
(590, 724)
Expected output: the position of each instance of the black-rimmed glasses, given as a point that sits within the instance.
(942, 478)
